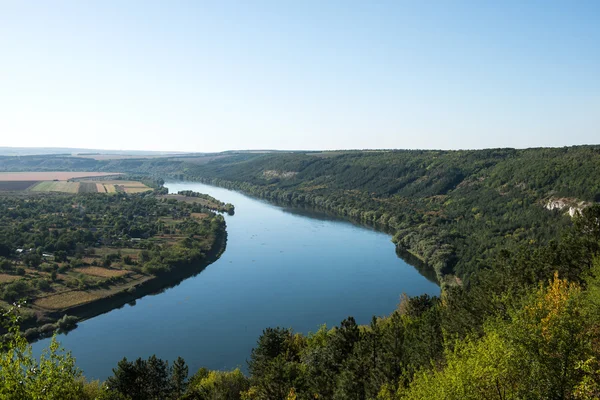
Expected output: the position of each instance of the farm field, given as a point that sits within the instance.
(56, 186)
(49, 176)
(16, 185)
(102, 272)
(110, 186)
(66, 299)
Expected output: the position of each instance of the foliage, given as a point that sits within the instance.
(23, 377)
(50, 237)
(524, 323)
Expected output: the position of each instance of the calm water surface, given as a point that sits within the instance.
(282, 267)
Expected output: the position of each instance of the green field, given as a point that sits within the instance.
(56, 186)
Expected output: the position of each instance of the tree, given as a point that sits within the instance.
(179, 377)
(142, 379)
(22, 376)
(6, 265)
(542, 351)
(275, 364)
(32, 260)
(217, 385)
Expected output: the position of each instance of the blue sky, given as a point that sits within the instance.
(218, 75)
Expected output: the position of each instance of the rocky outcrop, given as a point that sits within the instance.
(569, 205)
(279, 174)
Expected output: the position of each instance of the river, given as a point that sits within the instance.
(282, 267)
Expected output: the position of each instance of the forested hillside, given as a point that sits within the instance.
(526, 329)
(524, 323)
(453, 209)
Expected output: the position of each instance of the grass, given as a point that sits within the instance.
(67, 299)
(102, 251)
(56, 186)
(101, 272)
(4, 278)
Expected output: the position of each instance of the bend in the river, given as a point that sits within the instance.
(280, 268)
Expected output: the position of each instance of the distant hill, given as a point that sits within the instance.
(28, 151)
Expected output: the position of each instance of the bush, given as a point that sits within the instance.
(42, 284)
(63, 269)
(47, 268)
(15, 291)
(66, 323)
(5, 265)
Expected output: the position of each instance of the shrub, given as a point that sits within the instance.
(15, 291)
(66, 323)
(42, 284)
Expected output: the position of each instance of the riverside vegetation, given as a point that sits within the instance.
(455, 210)
(526, 329)
(74, 256)
(518, 314)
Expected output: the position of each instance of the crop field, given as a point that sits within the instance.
(66, 299)
(122, 186)
(109, 186)
(87, 187)
(101, 272)
(127, 186)
(57, 186)
(49, 176)
(16, 185)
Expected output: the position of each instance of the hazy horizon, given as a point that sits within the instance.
(22, 150)
(201, 76)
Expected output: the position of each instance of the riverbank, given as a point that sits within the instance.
(128, 294)
(277, 197)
